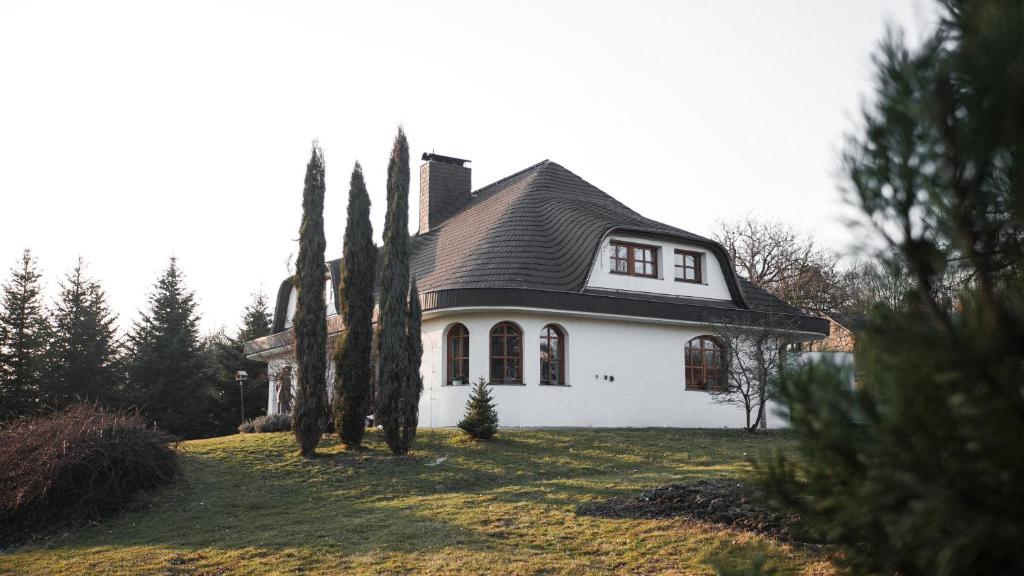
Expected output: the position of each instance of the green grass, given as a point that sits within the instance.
(249, 505)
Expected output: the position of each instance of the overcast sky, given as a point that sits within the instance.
(130, 132)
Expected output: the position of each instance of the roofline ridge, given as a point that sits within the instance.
(510, 176)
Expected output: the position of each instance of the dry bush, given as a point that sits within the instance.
(76, 466)
(268, 423)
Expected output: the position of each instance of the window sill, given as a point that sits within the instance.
(506, 384)
(555, 385)
(449, 384)
(635, 275)
(690, 281)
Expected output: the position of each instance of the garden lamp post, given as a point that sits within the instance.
(241, 376)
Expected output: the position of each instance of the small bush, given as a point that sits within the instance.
(75, 466)
(268, 423)
(481, 420)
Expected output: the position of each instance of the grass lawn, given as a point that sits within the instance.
(249, 505)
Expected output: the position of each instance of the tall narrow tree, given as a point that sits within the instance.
(310, 321)
(24, 334)
(168, 376)
(393, 352)
(83, 359)
(353, 373)
(414, 383)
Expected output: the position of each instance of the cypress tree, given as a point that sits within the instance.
(310, 321)
(83, 359)
(353, 372)
(481, 420)
(24, 335)
(168, 373)
(393, 353)
(414, 382)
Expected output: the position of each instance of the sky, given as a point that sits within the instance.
(135, 131)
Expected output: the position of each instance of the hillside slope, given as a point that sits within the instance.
(249, 505)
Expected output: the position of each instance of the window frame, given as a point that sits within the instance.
(691, 370)
(548, 333)
(460, 332)
(631, 260)
(698, 268)
(509, 329)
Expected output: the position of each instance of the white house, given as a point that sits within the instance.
(577, 310)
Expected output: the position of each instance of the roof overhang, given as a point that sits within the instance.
(649, 308)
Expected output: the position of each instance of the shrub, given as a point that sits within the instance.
(268, 423)
(75, 466)
(481, 420)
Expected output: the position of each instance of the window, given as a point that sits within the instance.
(552, 356)
(329, 297)
(458, 355)
(634, 259)
(704, 364)
(506, 354)
(688, 266)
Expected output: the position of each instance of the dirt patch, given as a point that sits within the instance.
(724, 502)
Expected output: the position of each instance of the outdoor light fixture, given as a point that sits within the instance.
(241, 376)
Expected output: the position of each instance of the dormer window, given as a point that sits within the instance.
(688, 266)
(634, 259)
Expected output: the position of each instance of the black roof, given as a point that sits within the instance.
(529, 240)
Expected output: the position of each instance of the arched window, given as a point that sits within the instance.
(506, 354)
(704, 364)
(458, 355)
(552, 355)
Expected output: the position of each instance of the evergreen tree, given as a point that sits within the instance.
(393, 353)
(414, 382)
(230, 357)
(24, 335)
(919, 471)
(481, 420)
(84, 355)
(353, 372)
(168, 372)
(310, 321)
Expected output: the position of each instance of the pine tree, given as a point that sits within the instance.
(24, 336)
(84, 356)
(919, 470)
(393, 353)
(353, 372)
(310, 321)
(230, 357)
(481, 420)
(168, 374)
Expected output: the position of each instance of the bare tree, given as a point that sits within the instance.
(753, 357)
(778, 258)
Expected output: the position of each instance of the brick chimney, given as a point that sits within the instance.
(445, 187)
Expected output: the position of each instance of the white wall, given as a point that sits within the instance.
(643, 364)
(843, 360)
(293, 297)
(712, 287)
(620, 373)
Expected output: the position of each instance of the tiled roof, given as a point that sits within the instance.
(538, 231)
(538, 228)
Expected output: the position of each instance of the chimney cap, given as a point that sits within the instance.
(431, 157)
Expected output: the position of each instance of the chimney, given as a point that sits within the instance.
(445, 187)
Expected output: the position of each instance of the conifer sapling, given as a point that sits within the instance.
(481, 420)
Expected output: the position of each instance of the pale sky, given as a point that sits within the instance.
(130, 132)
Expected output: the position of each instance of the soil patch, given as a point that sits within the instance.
(724, 502)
